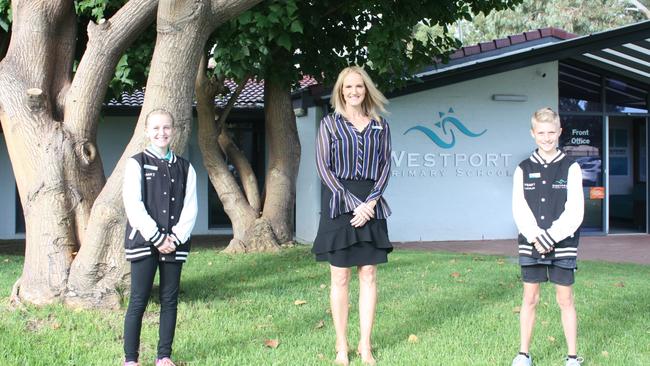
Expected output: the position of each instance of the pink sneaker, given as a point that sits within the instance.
(165, 361)
(131, 363)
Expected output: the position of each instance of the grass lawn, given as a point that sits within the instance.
(461, 308)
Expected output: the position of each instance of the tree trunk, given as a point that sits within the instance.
(243, 167)
(284, 159)
(250, 233)
(58, 193)
(40, 147)
(98, 279)
(50, 125)
(183, 26)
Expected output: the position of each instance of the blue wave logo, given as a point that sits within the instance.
(447, 139)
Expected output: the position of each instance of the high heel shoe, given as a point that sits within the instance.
(366, 357)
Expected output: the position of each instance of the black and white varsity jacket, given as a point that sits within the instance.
(548, 205)
(160, 200)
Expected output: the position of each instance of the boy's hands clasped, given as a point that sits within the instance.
(363, 213)
(540, 248)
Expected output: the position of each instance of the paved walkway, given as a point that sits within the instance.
(612, 248)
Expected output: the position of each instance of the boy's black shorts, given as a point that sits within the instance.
(542, 273)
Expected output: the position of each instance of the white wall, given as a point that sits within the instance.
(442, 207)
(456, 193)
(113, 135)
(7, 194)
(308, 183)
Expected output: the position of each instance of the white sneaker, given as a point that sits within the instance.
(573, 361)
(522, 360)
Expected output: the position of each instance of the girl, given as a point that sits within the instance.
(160, 202)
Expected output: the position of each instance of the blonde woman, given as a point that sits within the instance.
(353, 162)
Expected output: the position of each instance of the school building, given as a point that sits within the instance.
(457, 137)
(459, 134)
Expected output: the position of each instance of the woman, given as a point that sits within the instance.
(353, 161)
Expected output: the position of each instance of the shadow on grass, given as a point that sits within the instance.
(265, 273)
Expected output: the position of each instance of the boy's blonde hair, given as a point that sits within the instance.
(545, 115)
(372, 104)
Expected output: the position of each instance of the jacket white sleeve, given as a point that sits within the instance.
(134, 207)
(574, 208)
(524, 217)
(183, 229)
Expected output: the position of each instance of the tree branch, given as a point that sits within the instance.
(224, 10)
(235, 204)
(642, 8)
(107, 41)
(238, 159)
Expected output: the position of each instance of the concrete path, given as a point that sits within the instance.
(612, 248)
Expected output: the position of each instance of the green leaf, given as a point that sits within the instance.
(245, 18)
(296, 27)
(284, 41)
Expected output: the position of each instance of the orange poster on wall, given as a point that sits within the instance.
(597, 193)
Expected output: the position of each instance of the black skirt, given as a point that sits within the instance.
(343, 245)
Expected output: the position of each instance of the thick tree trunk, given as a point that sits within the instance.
(284, 159)
(250, 233)
(59, 193)
(98, 281)
(40, 147)
(50, 125)
(183, 27)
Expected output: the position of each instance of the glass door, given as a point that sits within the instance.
(583, 140)
(627, 176)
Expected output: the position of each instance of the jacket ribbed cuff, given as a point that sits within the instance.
(546, 241)
(175, 239)
(157, 239)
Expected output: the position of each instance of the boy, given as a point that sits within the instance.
(548, 206)
(159, 195)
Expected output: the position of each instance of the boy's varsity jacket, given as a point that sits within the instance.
(160, 201)
(548, 205)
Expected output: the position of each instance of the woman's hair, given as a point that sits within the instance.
(158, 111)
(372, 104)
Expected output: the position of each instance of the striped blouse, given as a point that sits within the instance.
(343, 153)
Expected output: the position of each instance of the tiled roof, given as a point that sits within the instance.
(511, 41)
(251, 97)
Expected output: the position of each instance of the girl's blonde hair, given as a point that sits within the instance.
(372, 104)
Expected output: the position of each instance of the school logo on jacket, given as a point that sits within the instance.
(559, 184)
(149, 171)
(446, 125)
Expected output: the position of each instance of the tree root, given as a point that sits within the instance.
(259, 239)
(14, 298)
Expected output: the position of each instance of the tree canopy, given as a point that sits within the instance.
(575, 16)
(289, 39)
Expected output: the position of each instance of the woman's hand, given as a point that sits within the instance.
(358, 221)
(363, 213)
